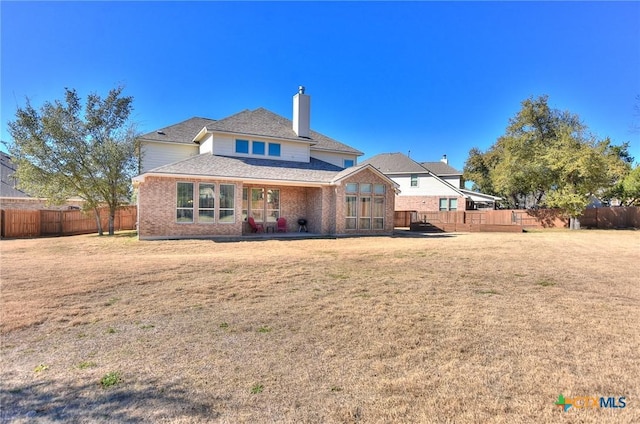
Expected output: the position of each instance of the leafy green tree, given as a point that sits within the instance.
(628, 189)
(64, 150)
(547, 158)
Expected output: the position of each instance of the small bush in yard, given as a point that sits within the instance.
(40, 368)
(110, 379)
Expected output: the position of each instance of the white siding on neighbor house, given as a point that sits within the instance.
(427, 186)
(158, 154)
(333, 158)
(289, 150)
(454, 181)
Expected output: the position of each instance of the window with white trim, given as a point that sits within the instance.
(448, 204)
(274, 149)
(257, 148)
(242, 146)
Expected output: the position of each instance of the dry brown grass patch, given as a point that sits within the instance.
(466, 328)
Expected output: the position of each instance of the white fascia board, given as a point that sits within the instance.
(201, 134)
(140, 179)
(356, 153)
(260, 137)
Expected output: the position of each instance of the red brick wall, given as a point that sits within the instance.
(323, 208)
(424, 203)
(366, 176)
(157, 211)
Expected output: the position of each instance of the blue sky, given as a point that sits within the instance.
(431, 78)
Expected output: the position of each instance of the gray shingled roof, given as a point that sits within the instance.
(7, 169)
(262, 122)
(182, 132)
(258, 122)
(395, 163)
(440, 168)
(206, 164)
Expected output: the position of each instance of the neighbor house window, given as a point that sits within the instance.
(348, 163)
(257, 147)
(206, 202)
(453, 204)
(184, 212)
(414, 180)
(352, 188)
(242, 146)
(274, 149)
(226, 210)
(443, 204)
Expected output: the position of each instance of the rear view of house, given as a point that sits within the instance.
(205, 177)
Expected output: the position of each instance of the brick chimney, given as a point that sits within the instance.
(301, 113)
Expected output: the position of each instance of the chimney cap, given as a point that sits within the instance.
(301, 89)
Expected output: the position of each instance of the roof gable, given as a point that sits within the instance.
(395, 163)
(264, 123)
(359, 168)
(440, 168)
(183, 132)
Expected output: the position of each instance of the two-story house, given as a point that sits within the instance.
(429, 186)
(205, 177)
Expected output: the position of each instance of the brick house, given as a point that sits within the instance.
(205, 177)
(429, 186)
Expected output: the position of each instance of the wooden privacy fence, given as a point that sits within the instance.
(514, 219)
(18, 223)
(608, 218)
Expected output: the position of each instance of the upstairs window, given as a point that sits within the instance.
(348, 163)
(274, 149)
(258, 147)
(242, 146)
(414, 180)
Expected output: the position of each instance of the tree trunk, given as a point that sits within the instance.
(574, 223)
(98, 221)
(112, 218)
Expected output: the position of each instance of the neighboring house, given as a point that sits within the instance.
(257, 164)
(11, 197)
(428, 186)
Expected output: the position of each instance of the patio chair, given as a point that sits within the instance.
(255, 228)
(282, 225)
